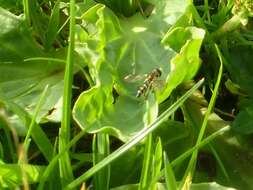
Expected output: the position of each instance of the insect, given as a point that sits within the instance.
(149, 83)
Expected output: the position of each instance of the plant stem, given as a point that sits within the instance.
(26, 12)
(228, 26)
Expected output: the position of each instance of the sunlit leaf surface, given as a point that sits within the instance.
(22, 80)
(131, 46)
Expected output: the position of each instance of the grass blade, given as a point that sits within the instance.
(157, 162)
(145, 173)
(64, 133)
(52, 164)
(32, 123)
(53, 25)
(101, 149)
(38, 135)
(170, 179)
(191, 166)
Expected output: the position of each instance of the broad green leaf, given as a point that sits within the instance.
(124, 47)
(234, 150)
(16, 41)
(129, 174)
(233, 88)
(140, 52)
(13, 120)
(135, 139)
(83, 7)
(15, 6)
(176, 137)
(243, 122)
(240, 67)
(167, 12)
(126, 8)
(241, 70)
(11, 175)
(22, 80)
(95, 105)
(185, 64)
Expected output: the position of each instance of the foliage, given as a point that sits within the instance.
(69, 63)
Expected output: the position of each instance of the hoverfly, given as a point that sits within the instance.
(150, 82)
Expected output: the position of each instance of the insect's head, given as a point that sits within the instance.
(158, 72)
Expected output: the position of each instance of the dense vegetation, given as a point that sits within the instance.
(126, 94)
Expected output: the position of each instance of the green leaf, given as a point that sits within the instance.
(22, 80)
(185, 64)
(39, 137)
(84, 7)
(129, 174)
(209, 186)
(240, 67)
(146, 177)
(7, 151)
(157, 162)
(126, 8)
(176, 137)
(121, 120)
(243, 122)
(12, 174)
(233, 88)
(53, 25)
(234, 150)
(161, 186)
(14, 6)
(166, 13)
(101, 149)
(134, 140)
(13, 120)
(241, 70)
(170, 179)
(123, 47)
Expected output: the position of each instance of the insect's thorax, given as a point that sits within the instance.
(148, 82)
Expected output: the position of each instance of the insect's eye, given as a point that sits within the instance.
(158, 72)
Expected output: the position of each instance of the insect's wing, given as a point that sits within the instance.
(158, 84)
(134, 78)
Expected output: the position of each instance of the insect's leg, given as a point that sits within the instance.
(149, 88)
(146, 95)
